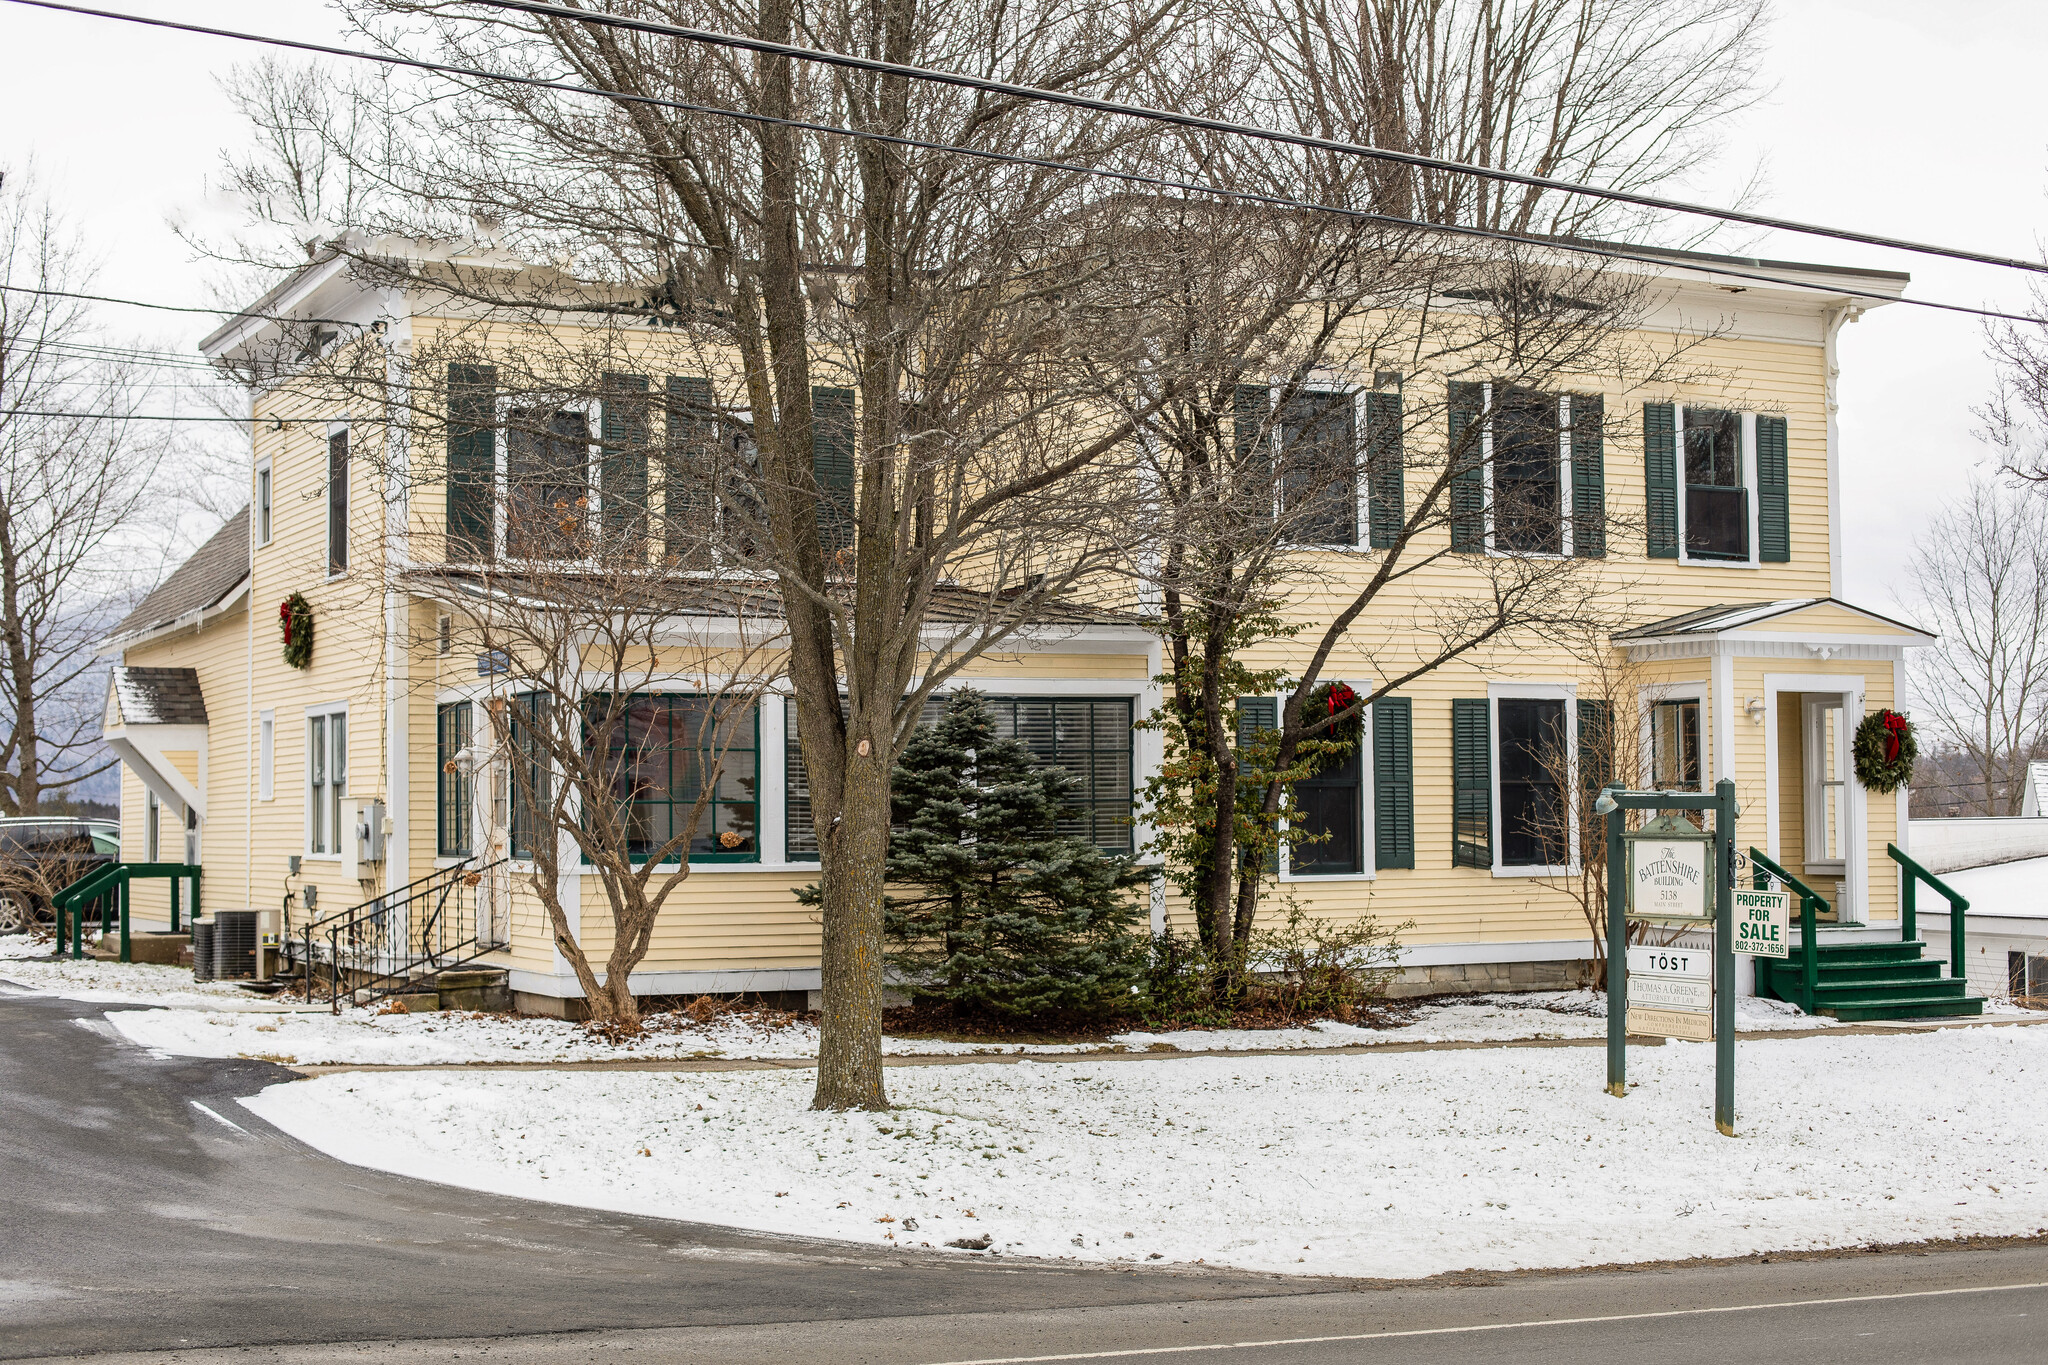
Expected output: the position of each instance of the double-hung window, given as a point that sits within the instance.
(1716, 491)
(454, 780)
(1534, 752)
(1513, 762)
(531, 768)
(1675, 745)
(337, 501)
(1319, 469)
(262, 501)
(326, 779)
(1090, 737)
(1329, 809)
(669, 752)
(1528, 473)
(547, 483)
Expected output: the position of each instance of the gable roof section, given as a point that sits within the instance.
(1823, 616)
(156, 696)
(203, 581)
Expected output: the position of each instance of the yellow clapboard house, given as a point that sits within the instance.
(362, 779)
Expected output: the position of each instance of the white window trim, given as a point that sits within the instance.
(1748, 459)
(775, 776)
(266, 755)
(1852, 685)
(1368, 846)
(265, 514)
(1565, 492)
(327, 709)
(1646, 701)
(1568, 693)
(593, 455)
(336, 428)
(1360, 487)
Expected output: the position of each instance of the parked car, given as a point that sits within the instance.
(40, 855)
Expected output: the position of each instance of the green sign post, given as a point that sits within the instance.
(1659, 873)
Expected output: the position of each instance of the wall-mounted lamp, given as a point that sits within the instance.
(1754, 707)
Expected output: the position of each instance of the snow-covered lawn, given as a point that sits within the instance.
(364, 1037)
(1376, 1164)
(25, 961)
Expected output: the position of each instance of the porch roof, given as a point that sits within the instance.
(733, 597)
(1817, 618)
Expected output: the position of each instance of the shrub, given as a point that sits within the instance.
(992, 910)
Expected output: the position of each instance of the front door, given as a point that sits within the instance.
(1815, 827)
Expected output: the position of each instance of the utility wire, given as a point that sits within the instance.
(122, 416)
(160, 307)
(1648, 257)
(1215, 125)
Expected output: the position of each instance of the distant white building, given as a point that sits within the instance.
(2035, 799)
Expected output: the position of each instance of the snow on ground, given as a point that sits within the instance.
(25, 961)
(1387, 1164)
(363, 1037)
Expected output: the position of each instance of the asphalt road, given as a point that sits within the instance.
(142, 1211)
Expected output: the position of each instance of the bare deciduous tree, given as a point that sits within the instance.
(73, 472)
(1979, 580)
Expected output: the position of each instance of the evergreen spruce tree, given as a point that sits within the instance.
(993, 911)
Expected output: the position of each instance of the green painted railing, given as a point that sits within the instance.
(1909, 916)
(108, 886)
(1811, 906)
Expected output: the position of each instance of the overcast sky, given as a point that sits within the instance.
(1895, 116)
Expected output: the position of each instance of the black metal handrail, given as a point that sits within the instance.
(384, 943)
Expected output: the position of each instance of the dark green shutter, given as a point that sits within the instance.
(1393, 783)
(1773, 492)
(1251, 406)
(1386, 507)
(1468, 469)
(832, 458)
(1255, 714)
(472, 460)
(1660, 479)
(1596, 747)
(622, 463)
(1471, 783)
(1589, 476)
(690, 470)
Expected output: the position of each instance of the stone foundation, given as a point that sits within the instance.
(1483, 978)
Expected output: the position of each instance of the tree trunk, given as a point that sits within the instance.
(853, 859)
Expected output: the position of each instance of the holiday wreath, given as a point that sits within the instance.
(1333, 699)
(295, 621)
(1885, 750)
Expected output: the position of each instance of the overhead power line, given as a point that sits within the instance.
(1650, 257)
(1215, 125)
(117, 416)
(160, 307)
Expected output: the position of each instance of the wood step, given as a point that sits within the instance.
(1833, 992)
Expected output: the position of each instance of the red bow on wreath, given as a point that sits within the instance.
(284, 614)
(1341, 698)
(1894, 727)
